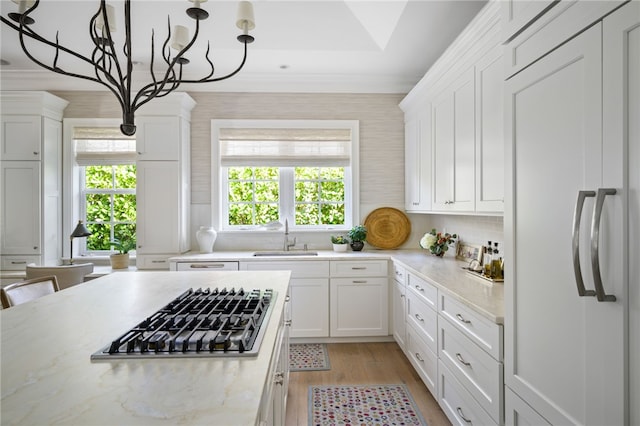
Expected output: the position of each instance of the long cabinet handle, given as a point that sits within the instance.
(575, 246)
(595, 250)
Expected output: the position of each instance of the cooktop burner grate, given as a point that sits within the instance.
(198, 323)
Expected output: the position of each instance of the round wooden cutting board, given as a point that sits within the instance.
(387, 228)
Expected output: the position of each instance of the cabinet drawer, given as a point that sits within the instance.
(399, 274)
(207, 266)
(428, 292)
(457, 403)
(299, 269)
(152, 261)
(483, 332)
(362, 268)
(478, 372)
(18, 263)
(423, 360)
(423, 318)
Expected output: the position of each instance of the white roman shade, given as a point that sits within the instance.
(103, 146)
(285, 147)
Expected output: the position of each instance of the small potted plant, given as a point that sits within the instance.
(358, 235)
(339, 242)
(120, 260)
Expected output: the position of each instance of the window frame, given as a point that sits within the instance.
(219, 183)
(72, 180)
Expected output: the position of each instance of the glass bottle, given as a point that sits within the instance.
(486, 260)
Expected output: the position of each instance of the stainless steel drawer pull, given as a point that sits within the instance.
(158, 261)
(461, 414)
(211, 266)
(595, 250)
(462, 361)
(358, 268)
(575, 243)
(462, 319)
(419, 288)
(359, 281)
(419, 318)
(16, 262)
(419, 358)
(287, 298)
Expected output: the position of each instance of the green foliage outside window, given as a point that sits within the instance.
(254, 195)
(110, 203)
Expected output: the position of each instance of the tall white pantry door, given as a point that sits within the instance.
(565, 350)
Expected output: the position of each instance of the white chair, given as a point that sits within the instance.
(24, 291)
(67, 275)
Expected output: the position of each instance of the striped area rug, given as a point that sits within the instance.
(308, 357)
(363, 405)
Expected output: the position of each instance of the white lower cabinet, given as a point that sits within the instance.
(456, 351)
(423, 359)
(479, 373)
(399, 306)
(457, 402)
(359, 298)
(309, 307)
(309, 293)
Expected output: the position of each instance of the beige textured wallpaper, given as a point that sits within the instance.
(381, 132)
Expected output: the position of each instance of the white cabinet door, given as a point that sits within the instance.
(21, 208)
(158, 207)
(21, 137)
(453, 130)
(418, 161)
(399, 313)
(554, 150)
(309, 307)
(359, 307)
(621, 130)
(158, 138)
(490, 133)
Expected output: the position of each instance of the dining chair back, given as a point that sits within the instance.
(24, 291)
(67, 275)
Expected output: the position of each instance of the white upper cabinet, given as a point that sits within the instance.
(453, 130)
(27, 130)
(418, 160)
(490, 133)
(453, 125)
(158, 138)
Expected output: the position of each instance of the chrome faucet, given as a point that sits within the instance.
(287, 244)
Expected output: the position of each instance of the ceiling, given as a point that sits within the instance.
(301, 45)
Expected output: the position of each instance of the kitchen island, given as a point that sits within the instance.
(48, 377)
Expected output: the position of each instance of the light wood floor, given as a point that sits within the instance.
(359, 364)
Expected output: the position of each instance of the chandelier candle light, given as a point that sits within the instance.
(114, 72)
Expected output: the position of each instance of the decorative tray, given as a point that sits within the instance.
(481, 275)
(387, 228)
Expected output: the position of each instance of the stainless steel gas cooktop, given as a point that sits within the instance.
(198, 323)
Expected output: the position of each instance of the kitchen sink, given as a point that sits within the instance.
(286, 253)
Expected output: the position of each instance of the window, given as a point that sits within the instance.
(299, 171)
(107, 175)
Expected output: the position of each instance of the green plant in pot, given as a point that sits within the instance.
(340, 242)
(358, 235)
(123, 246)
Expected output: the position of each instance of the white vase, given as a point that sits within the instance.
(340, 247)
(206, 237)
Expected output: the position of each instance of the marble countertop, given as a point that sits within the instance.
(446, 273)
(48, 377)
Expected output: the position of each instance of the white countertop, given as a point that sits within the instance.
(48, 377)
(446, 273)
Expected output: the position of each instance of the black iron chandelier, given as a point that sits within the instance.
(115, 73)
